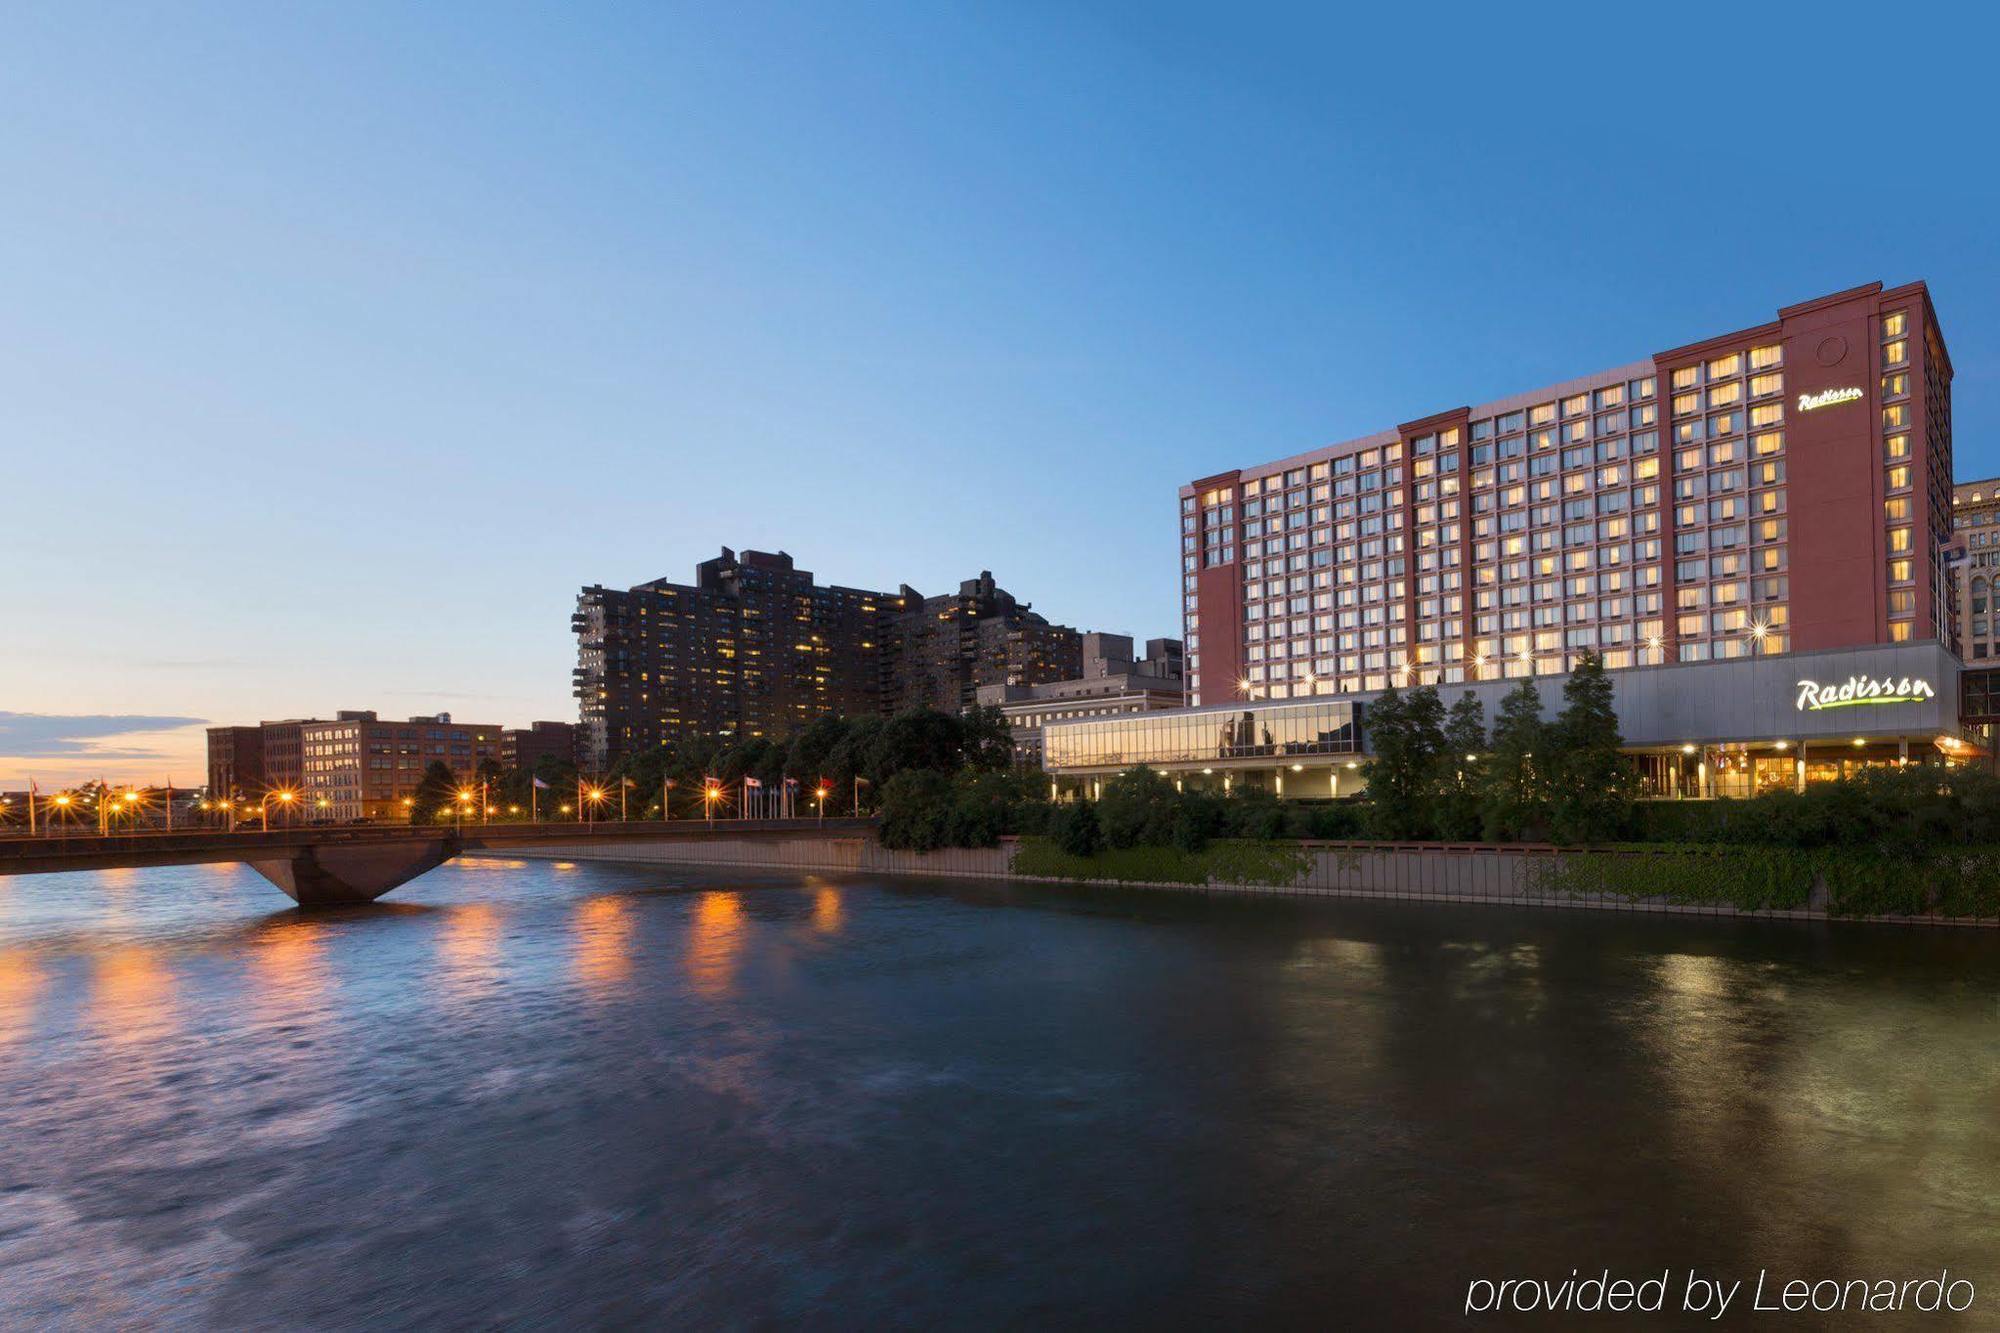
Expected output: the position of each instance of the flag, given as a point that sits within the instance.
(627, 782)
(752, 782)
(791, 782)
(543, 785)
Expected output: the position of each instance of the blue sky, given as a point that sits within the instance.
(340, 344)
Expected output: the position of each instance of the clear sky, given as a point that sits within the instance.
(340, 344)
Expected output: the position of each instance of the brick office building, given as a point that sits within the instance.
(360, 767)
(235, 761)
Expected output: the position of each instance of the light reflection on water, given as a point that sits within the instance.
(520, 1092)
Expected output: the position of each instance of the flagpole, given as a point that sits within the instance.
(31, 807)
(533, 792)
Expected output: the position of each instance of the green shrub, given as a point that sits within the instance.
(1190, 833)
(1222, 863)
(1076, 831)
(916, 810)
(1750, 878)
(1138, 807)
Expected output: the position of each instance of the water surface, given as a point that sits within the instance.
(558, 1095)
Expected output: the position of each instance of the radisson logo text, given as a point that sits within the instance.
(1816, 696)
(1828, 398)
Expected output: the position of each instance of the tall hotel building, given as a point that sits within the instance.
(1779, 490)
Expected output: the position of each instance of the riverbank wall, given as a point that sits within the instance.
(1516, 875)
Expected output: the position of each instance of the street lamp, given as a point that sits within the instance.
(819, 794)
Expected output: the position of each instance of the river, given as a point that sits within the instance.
(561, 1095)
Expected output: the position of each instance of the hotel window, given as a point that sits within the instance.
(1899, 478)
(1766, 414)
(1686, 404)
(1760, 357)
(1896, 386)
(1900, 541)
(1768, 442)
(1895, 325)
(1896, 416)
(1899, 631)
(1686, 377)
(1896, 446)
(1724, 395)
(1724, 367)
(1895, 353)
(1902, 571)
(1762, 386)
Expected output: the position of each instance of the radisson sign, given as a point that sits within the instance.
(1809, 402)
(1817, 696)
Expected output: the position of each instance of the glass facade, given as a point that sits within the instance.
(1282, 732)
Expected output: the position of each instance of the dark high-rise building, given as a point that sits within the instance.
(946, 647)
(756, 647)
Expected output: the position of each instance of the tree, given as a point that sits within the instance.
(1457, 799)
(1137, 807)
(1590, 784)
(988, 741)
(916, 810)
(984, 805)
(1406, 736)
(850, 758)
(812, 749)
(1515, 801)
(915, 738)
(1076, 830)
(435, 792)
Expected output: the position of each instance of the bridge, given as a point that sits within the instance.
(343, 866)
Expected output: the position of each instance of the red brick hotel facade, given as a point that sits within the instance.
(1783, 488)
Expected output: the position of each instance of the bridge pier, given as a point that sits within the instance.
(344, 876)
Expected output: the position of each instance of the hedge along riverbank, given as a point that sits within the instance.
(1952, 883)
(1270, 863)
(1955, 882)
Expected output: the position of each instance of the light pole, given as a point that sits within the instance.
(819, 799)
(709, 792)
